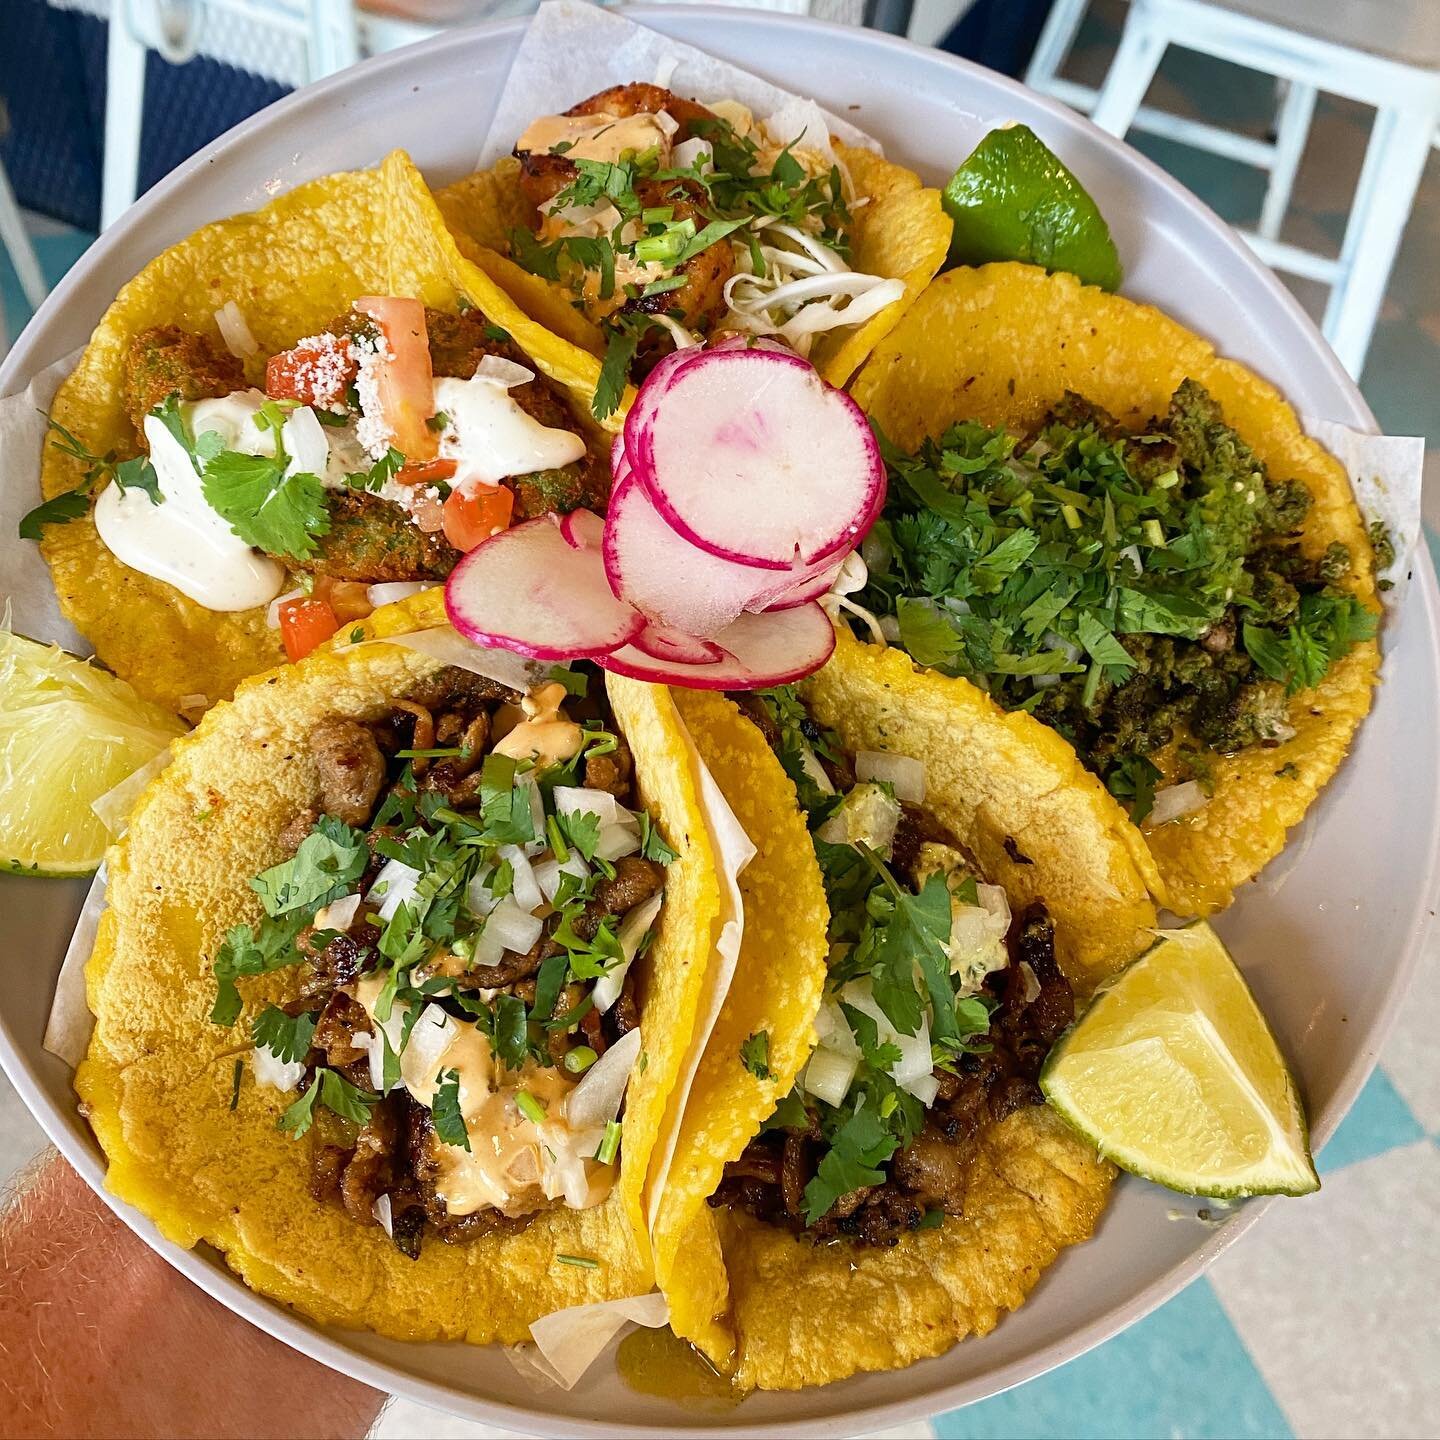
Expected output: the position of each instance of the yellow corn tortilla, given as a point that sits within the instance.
(1000, 345)
(809, 1314)
(901, 233)
(1011, 790)
(156, 1083)
(776, 987)
(292, 267)
(806, 1314)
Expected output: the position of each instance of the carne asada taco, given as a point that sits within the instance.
(900, 1182)
(393, 991)
(667, 222)
(286, 409)
(1101, 522)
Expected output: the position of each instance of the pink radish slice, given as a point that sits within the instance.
(665, 576)
(582, 529)
(528, 591)
(800, 592)
(771, 649)
(750, 455)
(650, 394)
(664, 642)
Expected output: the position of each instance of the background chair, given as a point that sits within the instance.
(1382, 53)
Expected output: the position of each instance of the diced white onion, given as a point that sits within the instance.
(1132, 554)
(1032, 982)
(499, 370)
(235, 331)
(906, 775)
(433, 1034)
(338, 914)
(915, 1057)
(633, 929)
(306, 441)
(537, 817)
(867, 814)
(996, 905)
(270, 1070)
(523, 887)
(548, 873)
(392, 590)
(393, 886)
(1051, 641)
(688, 152)
(666, 123)
(832, 1030)
(924, 1089)
(272, 615)
(381, 1210)
(616, 841)
(810, 764)
(890, 628)
(827, 1075)
(596, 1099)
(446, 644)
(511, 928)
(479, 898)
(1174, 802)
(579, 800)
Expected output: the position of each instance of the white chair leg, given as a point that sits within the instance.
(1394, 161)
(1061, 26)
(17, 243)
(1131, 72)
(124, 103)
(1297, 109)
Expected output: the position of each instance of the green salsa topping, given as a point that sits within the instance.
(1141, 593)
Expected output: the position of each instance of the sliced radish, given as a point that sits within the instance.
(763, 650)
(664, 642)
(582, 529)
(748, 454)
(527, 590)
(648, 398)
(684, 587)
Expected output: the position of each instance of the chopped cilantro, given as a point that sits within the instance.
(335, 1092)
(330, 860)
(857, 1149)
(385, 468)
(137, 473)
(652, 843)
(445, 1113)
(581, 1262)
(619, 352)
(286, 1037)
(755, 1055)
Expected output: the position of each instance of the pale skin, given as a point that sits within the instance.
(100, 1337)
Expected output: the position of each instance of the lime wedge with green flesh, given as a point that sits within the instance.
(1174, 1075)
(1014, 200)
(69, 732)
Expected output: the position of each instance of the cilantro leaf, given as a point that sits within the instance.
(335, 1092)
(286, 1037)
(857, 1149)
(445, 1113)
(619, 352)
(653, 845)
(276, 513)
(250, 951)
(330, 859)
(755, 1055)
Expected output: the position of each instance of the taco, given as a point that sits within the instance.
(666, 223)
(1101, 522)
(392, 993)
(295, 405)
(883, 1176)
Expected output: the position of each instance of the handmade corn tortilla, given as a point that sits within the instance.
(291, 267)
(156, 1084)
(1001, 345)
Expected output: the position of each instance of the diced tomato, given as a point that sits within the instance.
(304, 624)
(318, 371)
(475, 515)
(403, 379)
(426, 473)
(349, 599)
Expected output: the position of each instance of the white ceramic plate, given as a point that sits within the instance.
(1328, 953)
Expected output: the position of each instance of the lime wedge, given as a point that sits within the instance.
(68, 733)
(1173, 1073)
(1014, 200)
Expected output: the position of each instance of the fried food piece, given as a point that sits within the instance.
(166, 360)
(374, 541)
(700, 301)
